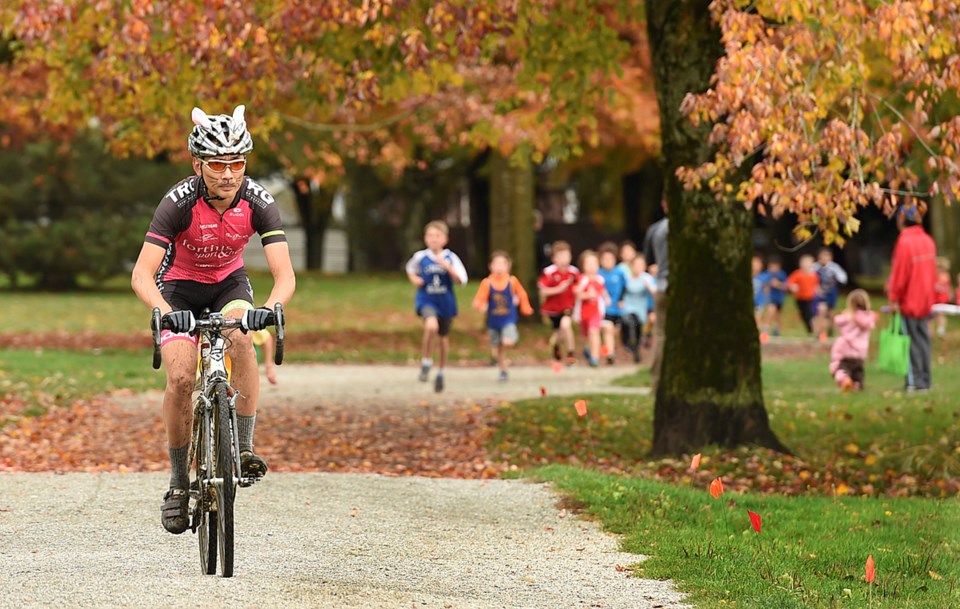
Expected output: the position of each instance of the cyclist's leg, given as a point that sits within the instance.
(179, 353)
(245, 377)
(235, 299)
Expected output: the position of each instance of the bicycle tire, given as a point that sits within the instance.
(207, 526)
(225, 469)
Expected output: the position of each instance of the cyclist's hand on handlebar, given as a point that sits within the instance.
(180, 321)
(257, 319)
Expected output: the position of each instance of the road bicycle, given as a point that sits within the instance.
(215, 446)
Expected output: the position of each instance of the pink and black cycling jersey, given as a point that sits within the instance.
(201, 244)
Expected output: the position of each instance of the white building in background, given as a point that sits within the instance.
(335, 247)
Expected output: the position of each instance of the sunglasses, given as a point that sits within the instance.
(219, 166)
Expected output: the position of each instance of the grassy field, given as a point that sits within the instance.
(875, 473)
(810, 552)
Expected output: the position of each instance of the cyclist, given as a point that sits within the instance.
(192, 259)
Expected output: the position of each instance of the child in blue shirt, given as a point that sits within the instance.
(434, 271)
(635, 303)
(775, 284)
(614, 280)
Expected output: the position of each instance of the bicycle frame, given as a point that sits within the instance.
(213, 370)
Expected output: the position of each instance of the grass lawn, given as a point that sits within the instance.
(810, 553)
(31, 381)
(875, 473)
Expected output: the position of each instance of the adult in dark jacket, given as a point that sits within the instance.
(913, 275)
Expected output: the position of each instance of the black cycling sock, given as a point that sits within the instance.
(245, 431)
(180, 473)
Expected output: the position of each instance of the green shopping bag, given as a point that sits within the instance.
(893, 354)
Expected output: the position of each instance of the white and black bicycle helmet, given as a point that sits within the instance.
(219, 135)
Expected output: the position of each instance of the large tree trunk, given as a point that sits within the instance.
(710, 387)
(511, 215)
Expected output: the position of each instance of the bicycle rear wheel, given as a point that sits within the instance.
(207, 519)
(226, 492)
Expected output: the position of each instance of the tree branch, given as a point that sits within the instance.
(347, 127)
(904, 120)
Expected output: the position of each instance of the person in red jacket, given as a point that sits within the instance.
(913, 275)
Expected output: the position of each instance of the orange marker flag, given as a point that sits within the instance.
(871, 571)
(716, 488)
(754, 520)
(557, 367)
(764, 338)
(581, 406)
(695, 462)
(543, 391)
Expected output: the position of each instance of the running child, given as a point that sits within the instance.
(592, 300)
(613, 279)
(556, 288)
(759, 289)
(635, 306)
(803, 283)
(500, 296)
(831, 276)
(628, 251)
(850, 349)
(434, 271)
(775, 280)
(263, 344)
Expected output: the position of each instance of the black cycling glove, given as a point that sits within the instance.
(257, 319)
(180, 321)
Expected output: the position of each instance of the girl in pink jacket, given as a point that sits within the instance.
(850, 349)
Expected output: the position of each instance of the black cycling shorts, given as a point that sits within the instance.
(184, 295)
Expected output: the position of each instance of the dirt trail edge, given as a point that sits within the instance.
(314, 540)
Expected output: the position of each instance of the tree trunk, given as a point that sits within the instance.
(511, 215)
(710, 387)
(315, 211)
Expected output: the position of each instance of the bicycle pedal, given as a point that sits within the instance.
(248, 481)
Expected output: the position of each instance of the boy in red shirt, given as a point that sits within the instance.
(803, 284)
(556, 288)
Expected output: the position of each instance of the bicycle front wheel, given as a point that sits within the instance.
(227, 490)
(206, 518)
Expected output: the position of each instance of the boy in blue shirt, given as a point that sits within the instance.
(775, 284)
(434, 271)
(613, 279)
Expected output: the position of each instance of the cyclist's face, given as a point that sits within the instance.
(225, 183)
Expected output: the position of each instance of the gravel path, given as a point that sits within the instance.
(313, 540)
(397, 386)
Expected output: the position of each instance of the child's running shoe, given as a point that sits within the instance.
(594, 362)
(438, 383)
(503, 376)
(570, 359)
(424, 373)
(611, 360)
